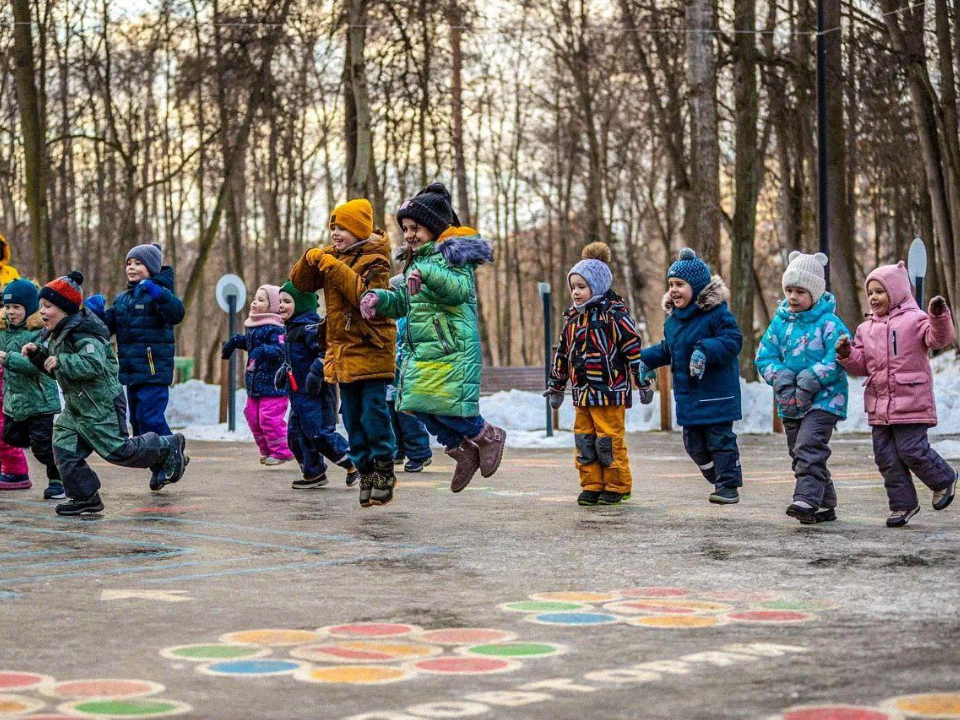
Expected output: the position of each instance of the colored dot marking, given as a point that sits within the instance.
(466, 636)
(17, 705)
(680, 606)
(213, 651)
(105, 688)
(420, 484)
(676, 622)
(251, 668)
(771, 616)
(927, 705)
(543, 606)
(578, 597)
(123, 708)
(369, 630)
(354, 651)
(573, 618)
(516, 650)
(834, 712)
(14, 680)
(465, 665)
(654, 592)
(797, 605)
(270, 637)
(353, 675)
(743, 595)
(646, 607)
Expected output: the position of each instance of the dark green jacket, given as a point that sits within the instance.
(26, 390)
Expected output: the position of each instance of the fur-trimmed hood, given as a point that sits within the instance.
(713, 295)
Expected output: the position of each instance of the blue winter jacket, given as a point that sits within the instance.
(707, 325)
(144, 330)
(302, 351)
(265, 376)
(807, 341)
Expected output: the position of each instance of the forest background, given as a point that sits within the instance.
(227, 130)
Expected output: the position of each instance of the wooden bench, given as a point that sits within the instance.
(517, 377)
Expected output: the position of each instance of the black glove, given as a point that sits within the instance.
(313, 384)
(556, 398)
(646, 393)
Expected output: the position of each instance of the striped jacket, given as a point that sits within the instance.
(599, 350)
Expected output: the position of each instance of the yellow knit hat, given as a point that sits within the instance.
(356, 216)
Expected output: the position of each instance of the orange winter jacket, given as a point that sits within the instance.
(357, 349)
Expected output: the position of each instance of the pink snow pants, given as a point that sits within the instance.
(267, 418)
(12, 459)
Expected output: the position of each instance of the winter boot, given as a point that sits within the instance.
(366, 488)
(899, 518)
(804, 512)
(612, 498)
(309, 483)
(490, 442)
(725, 496)
(81, 506)
(15, 482)
(588, 497)
(54, 491)
(942, 498)
(415, 466)
(383, 483)
(177, 461)
(467, 456)
(352, 473)
(828, 515)
(273, 461)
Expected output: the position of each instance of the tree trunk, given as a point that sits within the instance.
(359, 173)
(455, 18)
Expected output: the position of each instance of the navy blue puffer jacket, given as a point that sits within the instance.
(303, 348)
(144, 330)
(264, 345)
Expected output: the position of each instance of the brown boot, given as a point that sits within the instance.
(468, 462)
(491, 442)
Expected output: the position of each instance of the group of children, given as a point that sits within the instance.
(805, 355)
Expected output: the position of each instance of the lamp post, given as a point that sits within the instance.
(822, 195)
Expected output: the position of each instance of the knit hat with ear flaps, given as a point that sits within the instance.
(356, 216)
(807, 272)
(302, 301)
(595, 269)
(432, 208)
(65, 292)
(22, 292)
(692, 270)
(150, 255)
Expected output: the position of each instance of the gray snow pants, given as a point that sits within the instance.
(808, 441)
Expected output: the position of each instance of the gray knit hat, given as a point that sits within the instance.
(150, 255)
(595, 269)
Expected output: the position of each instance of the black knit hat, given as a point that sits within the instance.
(431, 208)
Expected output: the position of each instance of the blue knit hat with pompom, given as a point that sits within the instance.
(692, 270)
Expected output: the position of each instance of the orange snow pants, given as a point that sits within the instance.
(601, 451)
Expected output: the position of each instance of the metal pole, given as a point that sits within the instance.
(232, 400)
(822, 125)
(545, 297)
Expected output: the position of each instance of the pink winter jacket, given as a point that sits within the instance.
(891, 351)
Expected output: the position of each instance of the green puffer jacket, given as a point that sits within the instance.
(26, 390)
(441, 370)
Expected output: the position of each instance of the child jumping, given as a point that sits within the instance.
(76, 351)
(701, 344)
(598, 353)
(312, 432)
(413, 440)
(890, 350)
(30, 399)
(360, 351)
(440, 378)
(266, 408)
(797, 356)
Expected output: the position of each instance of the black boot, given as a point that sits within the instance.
(588, 497)
(806, 515)
(177, 461)
(366, 488)
(384, 480)
(81, 506)
(352, 473)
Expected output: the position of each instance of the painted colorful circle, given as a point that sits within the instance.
(16, 680)
(803, 605)
(270, 637)
(645, 607)
(677, 622)
(576, 596)
(251, 668)
(369, 630)
(543, 606)
(515, 650)
(11, 705)
(771, 616)
(926, 705)
(833, 712)
(365, 651)
(466, 636)
(654, 592)
(124, 708)
(465, 665)
(104, 688)
(353, 675)
(742, 595)
(213, 651)
(573, 618)
(671, 606)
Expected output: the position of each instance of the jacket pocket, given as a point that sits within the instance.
(911, 378)
(445, 343)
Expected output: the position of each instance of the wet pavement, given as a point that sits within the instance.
(234, 596)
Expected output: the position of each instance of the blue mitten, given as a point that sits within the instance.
(698, 364)
(97, 304)
(150, 288)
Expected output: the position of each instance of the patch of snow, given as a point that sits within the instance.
(950, 449)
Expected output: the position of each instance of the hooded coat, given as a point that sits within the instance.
(890, 351)
(264, 374)
(8, 273)
(707, 325)
(144, 330)
(441, 369)
(807, 341)
(27, 390)
(357, 349)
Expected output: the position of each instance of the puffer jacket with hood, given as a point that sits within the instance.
(28, 391)
(8, 273)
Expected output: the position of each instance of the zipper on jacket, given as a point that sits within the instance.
(443, 341)
(894, 343)
(153, 369)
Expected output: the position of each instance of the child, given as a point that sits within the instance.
(78, 354)
(266, 408)
(440, 377)
(413, 441)
(312, 432)
(701, 344)
(598, 352)
(8, 273)
(798, 358)
(30, 399)
(890, 350)
(142, 318)
(360, 357)
(14, 471)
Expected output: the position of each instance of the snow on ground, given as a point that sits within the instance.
(194, 408)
